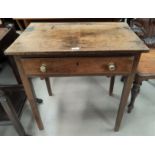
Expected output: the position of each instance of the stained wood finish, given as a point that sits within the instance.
(146, 65)
(47, 80)
(20, 25)
(45, 38)
(145, 71)
(112, 81)
(77, 66)
(24, 22)
(134, 91)
(30, 94)
(48, 85)
(123, 102)
(14, 69)
(125, 93)
(61, 46)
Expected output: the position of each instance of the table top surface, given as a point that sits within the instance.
(44, 38)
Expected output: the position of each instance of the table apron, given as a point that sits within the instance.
(80, 66)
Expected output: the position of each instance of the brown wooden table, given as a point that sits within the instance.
(73, 49)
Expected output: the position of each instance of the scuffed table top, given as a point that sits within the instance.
(45, 38)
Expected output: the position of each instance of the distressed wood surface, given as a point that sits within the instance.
(41, 38)
(116, 42)
(77, 66)
(146, 65)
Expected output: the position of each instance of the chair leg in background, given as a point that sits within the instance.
(9, 109)
(134, 92)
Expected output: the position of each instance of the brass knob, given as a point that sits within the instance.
(111, 66)
(43, 68)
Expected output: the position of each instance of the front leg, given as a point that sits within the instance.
(124, 97)
(30, 94)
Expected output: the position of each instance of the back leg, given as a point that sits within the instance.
(112, 81)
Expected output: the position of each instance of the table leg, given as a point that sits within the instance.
(9, 109)
(19, 24)
(14, 69)
(47, 80)
(112, 81)
(26, 23)
(124, 97)
(30, 94)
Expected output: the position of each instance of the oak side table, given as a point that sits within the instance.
(77, 49)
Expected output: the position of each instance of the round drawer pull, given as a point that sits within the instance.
(111, 66)
(43, 68)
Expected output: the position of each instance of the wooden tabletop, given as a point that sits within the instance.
(41, 38)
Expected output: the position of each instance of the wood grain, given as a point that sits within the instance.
(77, 66)
(125, 93)
(101, 44)
(30, 94)
(41, 38)
(146, 65)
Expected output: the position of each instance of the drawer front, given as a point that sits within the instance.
(77, 66)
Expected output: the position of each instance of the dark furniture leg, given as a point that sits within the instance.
(122, 79)
(7, 105)
(47, 80)
(112, 81)
(134, 92)
(14, 69)
(20, 25)
(39, 101)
